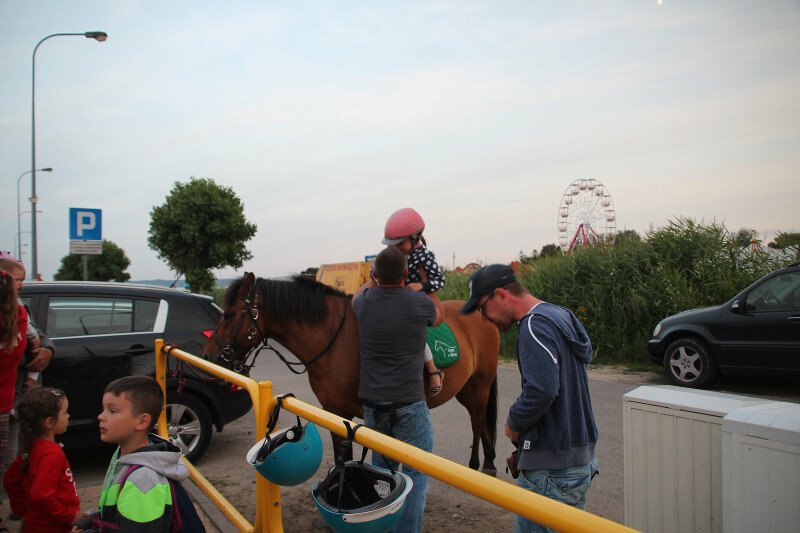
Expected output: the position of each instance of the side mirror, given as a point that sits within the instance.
(735, 307)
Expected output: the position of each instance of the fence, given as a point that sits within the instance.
(543, 510)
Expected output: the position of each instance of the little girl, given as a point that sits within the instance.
(13, 340)
(404, 230)
(39, 482)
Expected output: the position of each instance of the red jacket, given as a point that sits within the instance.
(45, 495)
(9, 361)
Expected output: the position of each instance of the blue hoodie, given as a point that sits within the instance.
(553, 413)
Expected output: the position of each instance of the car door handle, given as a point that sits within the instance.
(138, 350)
(794, 318)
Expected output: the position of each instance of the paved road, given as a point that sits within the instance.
(227, 450)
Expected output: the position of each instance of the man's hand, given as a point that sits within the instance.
(41, 358)
(513, 435)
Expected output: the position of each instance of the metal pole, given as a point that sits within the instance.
(96, 35)
(19, 214)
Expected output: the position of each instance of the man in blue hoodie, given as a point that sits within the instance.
(551, 422)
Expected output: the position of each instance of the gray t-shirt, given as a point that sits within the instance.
(392, 326)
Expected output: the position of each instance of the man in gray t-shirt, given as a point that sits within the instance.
(392, 325)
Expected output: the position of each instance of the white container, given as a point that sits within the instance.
(761, 468)
(673, 457)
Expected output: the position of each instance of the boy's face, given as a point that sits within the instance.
(118, 423)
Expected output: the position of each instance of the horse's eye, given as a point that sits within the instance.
(227, 315)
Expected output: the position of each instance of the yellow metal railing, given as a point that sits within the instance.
(538, 508)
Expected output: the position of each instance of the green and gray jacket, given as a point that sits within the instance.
(144, 503)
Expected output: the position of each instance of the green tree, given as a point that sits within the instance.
(200, 226)
(745, 236)
(625, 237)
(789, 243)
(108, 266)
(549, 250)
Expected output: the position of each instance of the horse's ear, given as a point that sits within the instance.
(248, 281)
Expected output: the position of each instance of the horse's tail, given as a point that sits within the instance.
(491, 411)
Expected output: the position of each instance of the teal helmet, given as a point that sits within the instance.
(361, 498)
(288, 457)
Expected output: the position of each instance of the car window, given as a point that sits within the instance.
(74, 316)
(778, 293)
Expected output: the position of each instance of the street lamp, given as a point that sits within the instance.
(19, 233)
(98, 36)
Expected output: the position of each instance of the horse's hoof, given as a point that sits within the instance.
(489, 471)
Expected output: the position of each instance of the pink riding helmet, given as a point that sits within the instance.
(402, 224)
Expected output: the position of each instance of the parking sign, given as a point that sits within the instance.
(85, 230)
(85, 224)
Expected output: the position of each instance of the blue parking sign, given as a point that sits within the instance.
(85, 224)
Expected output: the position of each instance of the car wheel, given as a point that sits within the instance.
(188, 424)
(688, 364)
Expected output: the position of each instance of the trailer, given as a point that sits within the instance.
(346, 277)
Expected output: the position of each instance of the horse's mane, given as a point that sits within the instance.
(298, 299)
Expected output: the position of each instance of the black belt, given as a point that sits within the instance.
(386, 406)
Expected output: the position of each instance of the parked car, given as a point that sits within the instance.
(104, 331)
(755, 332)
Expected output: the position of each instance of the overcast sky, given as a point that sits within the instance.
(325, 117)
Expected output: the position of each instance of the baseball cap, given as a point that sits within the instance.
(484, 281)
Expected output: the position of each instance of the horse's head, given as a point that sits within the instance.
(238, 331)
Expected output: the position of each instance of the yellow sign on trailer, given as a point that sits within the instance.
(347, 277)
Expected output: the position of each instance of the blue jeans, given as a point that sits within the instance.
(414, 426)
(570, 486)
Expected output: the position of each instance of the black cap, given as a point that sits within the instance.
(484, 281)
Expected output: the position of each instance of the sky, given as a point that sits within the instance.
(325, 117)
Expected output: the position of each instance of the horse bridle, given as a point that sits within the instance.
(259, 339)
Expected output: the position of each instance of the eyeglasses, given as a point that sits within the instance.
(481, 307)
(57, 393)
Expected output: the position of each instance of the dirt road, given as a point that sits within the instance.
(448, 509)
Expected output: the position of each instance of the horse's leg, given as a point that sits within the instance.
(489, 434)
(481, 402)
(477, 412)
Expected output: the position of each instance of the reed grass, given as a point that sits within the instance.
(621, 292)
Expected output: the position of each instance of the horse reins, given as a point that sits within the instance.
(250, 309)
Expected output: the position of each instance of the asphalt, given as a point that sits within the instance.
(213, 519)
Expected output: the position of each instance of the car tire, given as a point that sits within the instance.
(687, 363)
(189, 424)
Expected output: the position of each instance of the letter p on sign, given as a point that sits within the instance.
(85, 224)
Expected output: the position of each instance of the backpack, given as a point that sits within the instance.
(184, 516)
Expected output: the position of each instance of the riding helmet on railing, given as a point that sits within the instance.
(403, 224)
(290, 456)
(360, 498)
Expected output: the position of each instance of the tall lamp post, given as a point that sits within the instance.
(19, 232)
(97, 36)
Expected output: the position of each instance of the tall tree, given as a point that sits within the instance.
(200, 226)
(108, 266)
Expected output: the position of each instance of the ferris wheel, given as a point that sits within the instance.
(586, 215)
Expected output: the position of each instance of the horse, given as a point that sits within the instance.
(316, 323)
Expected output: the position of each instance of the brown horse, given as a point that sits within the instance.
(315, 322)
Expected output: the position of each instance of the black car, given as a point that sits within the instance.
(756, 332)
(104, 331)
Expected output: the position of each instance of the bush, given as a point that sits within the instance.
(621, 292)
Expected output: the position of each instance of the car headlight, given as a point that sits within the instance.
(657, 330)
